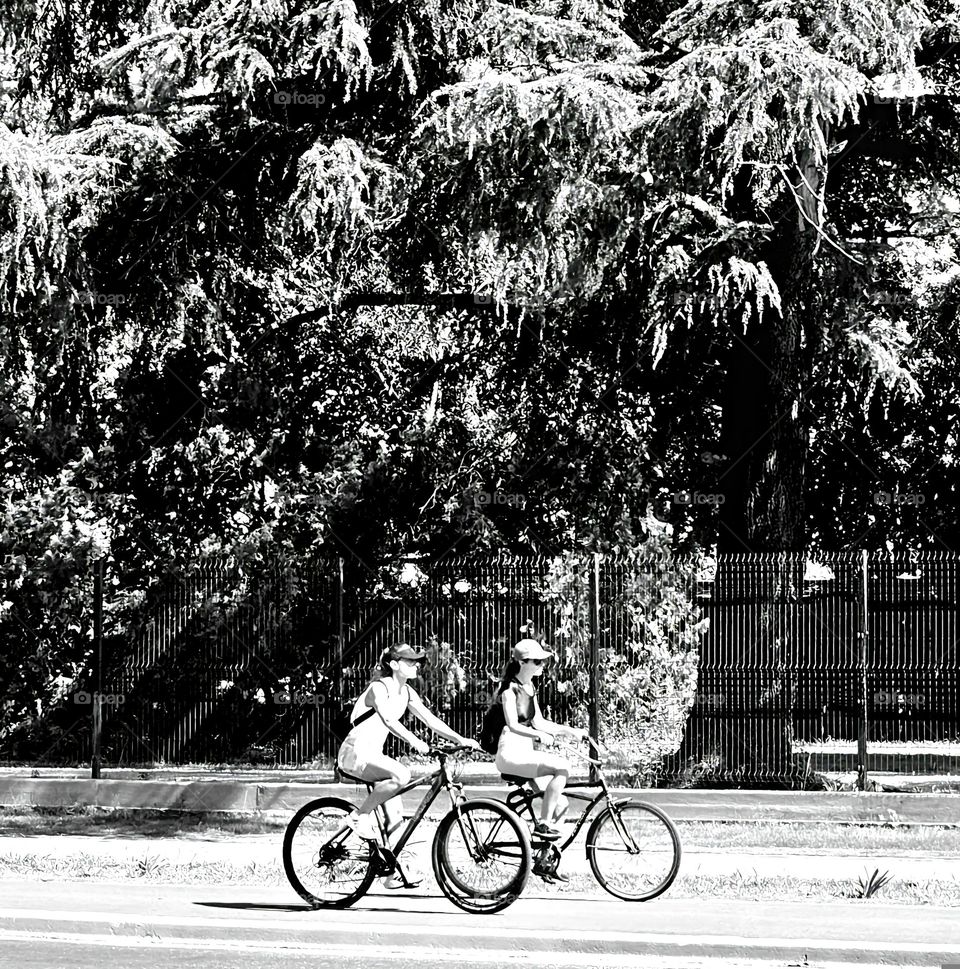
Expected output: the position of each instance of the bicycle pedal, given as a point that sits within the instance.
(386, 861)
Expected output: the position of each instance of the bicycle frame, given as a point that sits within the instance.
(438, 780)
(522, 798)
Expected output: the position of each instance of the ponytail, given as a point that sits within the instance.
(509, 675)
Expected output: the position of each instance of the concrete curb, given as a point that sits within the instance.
(243, 797)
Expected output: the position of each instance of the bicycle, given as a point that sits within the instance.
(632, 846)
(481, 853)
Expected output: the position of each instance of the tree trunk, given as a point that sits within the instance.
(765, 436)
(765, 430)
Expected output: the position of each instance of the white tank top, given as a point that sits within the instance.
(371, 734)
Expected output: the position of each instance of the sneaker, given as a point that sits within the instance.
(546, 831)
(365, 826)
(552, 876)
(395, 881)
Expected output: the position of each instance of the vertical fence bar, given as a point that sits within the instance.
(594, 705)
(863, 633)
(98, 659)
(339, 698)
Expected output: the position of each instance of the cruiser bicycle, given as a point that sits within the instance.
(633, 847)
(481, 851)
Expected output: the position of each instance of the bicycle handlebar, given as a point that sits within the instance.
(595, 744)
(598, 748)
(445, 750)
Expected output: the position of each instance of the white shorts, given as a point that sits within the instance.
(354, 758)
(516, 755)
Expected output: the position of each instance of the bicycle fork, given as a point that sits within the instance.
(632, 847)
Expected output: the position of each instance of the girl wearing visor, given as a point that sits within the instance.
(375, 715)
(524, 723)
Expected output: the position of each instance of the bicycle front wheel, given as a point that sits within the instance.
(634, 850)
(325, 862)
(481, 856)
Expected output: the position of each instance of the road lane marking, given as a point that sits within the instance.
(360, 952)
(422, 954)
(332, 925)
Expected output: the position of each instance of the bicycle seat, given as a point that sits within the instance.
(351, 777)
(515, 779)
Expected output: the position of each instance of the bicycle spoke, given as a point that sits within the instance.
(481, 856)
(634, 851)
(324, 860)
(478, 856)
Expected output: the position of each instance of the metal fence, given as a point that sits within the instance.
(848, 663)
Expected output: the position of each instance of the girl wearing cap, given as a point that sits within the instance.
(524, 723)
(376, 714)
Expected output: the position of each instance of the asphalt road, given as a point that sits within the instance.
(30, 955)
(53, 924)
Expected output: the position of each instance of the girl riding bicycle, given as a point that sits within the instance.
(377, 713)
(524, 723)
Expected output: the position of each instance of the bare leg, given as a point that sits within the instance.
(387, 776)
(551, 796)
(382, 792)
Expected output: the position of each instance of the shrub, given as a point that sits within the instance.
(648, 664)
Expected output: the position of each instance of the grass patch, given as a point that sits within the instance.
(821, 838)
(152, 870)
(127, 823)
(148, 868)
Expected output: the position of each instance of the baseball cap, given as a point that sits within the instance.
(404, 651)
(529, 649)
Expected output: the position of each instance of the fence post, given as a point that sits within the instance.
(98, 666)
(863, 633)
(338, 698)
(594, 703)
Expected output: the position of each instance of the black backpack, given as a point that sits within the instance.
(492, 726)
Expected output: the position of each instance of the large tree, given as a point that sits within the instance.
(633, 242)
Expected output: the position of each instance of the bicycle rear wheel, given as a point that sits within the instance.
(325, 862)
(634, 850)
(481, 856)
